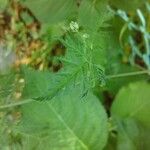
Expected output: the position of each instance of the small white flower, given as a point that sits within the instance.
(74, 26)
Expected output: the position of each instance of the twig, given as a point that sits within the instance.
(15, 104)
(128, 74)
(107, 77)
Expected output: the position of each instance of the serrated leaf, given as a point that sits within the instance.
(133, 102)
(51, 84)
(44, 85)
(78, 68)
(51, 11)
(66, 122)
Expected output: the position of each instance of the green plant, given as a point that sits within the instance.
(93, 99)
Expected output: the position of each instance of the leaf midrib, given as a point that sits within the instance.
(67, 127)
(139, 109)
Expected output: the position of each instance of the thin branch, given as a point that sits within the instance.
(128, 74)
(107, 77)
(15, 104)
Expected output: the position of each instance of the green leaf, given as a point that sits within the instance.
(78, 68)
(51, 84)
(133, 102)
(93, 14)
(51, 11)
(93, 18)
(36, 83)
(66, 122)
(132, 135)
(127, 5)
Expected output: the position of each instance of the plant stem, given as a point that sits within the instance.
(128, 74)
(15, 104)
(107, 77)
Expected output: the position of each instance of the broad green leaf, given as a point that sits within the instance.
(51, 11)
(133, 102)
(132, 136)
(66, 122)
(93, 14)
